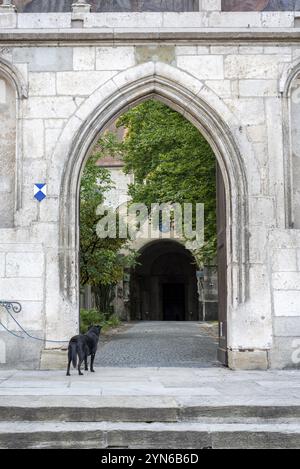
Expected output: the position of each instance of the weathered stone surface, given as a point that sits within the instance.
(22, 289)
(42, 84)
(287, 303)
(258, 88)
(286, 280)
(49, 21)
(253, 410)
(33, 143)
(52, 108)
(25, 357)
(2, 264)
(81, 83)
(165, 54)
(286, 352)
(284, 260)
(53, 360)
(84, 58)
(286, 326)
(248, 360)
(202, 67)
(45, 59)
(110, 58)
(165, 436)
(224, 79)
(24, 265)
(249, 67)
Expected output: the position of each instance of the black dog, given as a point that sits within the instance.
(83, 346)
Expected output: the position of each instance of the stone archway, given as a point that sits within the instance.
(199, 105)
(163, 284)
(12, 90)
(289, 89)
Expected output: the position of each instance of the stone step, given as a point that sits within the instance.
(191, 435)
(132, 409)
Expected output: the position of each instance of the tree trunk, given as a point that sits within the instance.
(104, 296)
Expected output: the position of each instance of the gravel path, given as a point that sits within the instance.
(160, 344)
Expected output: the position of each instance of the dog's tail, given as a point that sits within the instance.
(73, 353)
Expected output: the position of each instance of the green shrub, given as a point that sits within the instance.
(90, 317)
(112, 322)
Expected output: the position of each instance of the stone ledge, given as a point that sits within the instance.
(110, 35)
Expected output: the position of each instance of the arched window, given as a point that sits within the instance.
(47, 6)
(260, 5)
(7, 151)
(295, 135)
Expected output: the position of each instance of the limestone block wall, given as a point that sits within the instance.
(284, 264)
(22, 278)
(235, 76)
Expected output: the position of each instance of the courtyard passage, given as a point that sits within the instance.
(160, 344)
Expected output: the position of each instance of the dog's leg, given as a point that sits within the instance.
(81, 356)
(69, 362)
(86, 363)
(79, 366)
(92, 362)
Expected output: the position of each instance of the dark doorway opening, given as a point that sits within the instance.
(163, 286)
(174, 301)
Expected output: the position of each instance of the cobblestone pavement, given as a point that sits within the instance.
(161, 344)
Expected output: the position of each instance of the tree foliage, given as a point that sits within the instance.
(102, 261)
(171, 162)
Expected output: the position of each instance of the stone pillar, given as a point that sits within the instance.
(7, 6)
(81, 7)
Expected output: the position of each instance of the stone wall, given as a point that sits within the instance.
(77, 76)
(284, 261)
(22, 278)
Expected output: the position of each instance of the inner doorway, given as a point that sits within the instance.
(163, 286)
(173, 301)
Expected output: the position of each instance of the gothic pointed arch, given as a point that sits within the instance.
(187, 95)
(12, 90)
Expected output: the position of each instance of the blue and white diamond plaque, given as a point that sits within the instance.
(40, 192)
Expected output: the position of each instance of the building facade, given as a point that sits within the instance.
(64, 77)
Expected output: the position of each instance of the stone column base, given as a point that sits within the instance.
(54, 360)
(248, 360)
